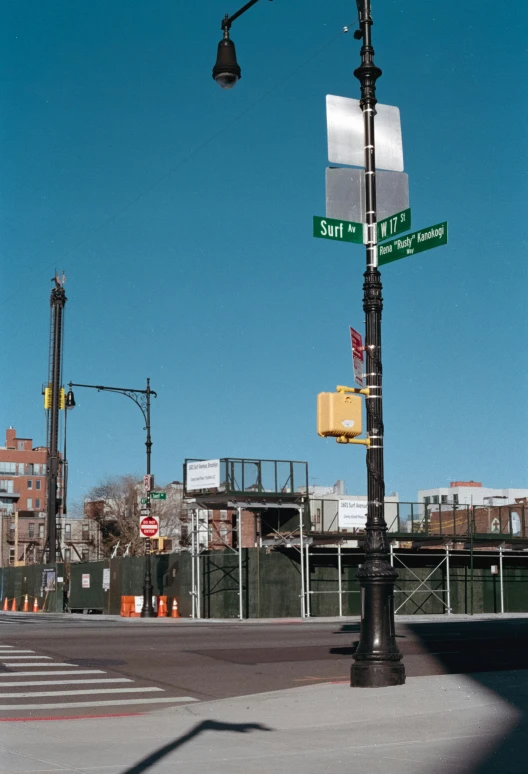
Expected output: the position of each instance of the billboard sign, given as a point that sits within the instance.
(202, 474)
(352, 514)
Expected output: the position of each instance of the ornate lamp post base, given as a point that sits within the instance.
(377, 659)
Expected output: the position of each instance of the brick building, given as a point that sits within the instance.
(23, 508)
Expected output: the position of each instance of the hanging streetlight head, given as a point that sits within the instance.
(70, 400)
(226, 71)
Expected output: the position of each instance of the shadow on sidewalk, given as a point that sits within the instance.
(206, 725)
(495, 655)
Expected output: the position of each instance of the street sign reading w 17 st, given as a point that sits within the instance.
(342, 230)
(417, 242)
(397, 223)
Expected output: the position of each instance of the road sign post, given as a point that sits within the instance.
(417, 242)
(340, 230)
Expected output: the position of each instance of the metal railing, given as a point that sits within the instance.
(408, 520)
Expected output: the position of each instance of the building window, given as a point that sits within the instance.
(11, 556)
(427, 500)
(8, 467)
(37, 484)
(6, 486)
(455, 499)
(86, 532)
(20, 445)
(37, 504)
(29, 504)
(12, 530)
(41, 530)
(85, 555)
(435, 499)
(31, 529)
(67, 531)
(444, 499)
(67, 555)
(30, 484)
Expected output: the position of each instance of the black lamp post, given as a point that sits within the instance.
(377, 658)
(142, 399)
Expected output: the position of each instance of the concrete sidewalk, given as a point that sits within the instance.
(439, 724)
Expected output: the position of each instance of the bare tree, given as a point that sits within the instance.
(114, 505)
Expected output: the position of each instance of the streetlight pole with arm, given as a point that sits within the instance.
(377, 658)
(142, 399)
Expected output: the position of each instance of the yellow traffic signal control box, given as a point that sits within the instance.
(339, 414)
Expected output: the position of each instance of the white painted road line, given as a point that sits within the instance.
(59, 672)
(90, 692)
(8, 655)
(8, 652)
(68, 682)
(45, 664)
(83, 704)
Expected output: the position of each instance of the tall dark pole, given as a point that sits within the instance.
(57, 302)
(142, 399)
(377, 658)
(147, 611)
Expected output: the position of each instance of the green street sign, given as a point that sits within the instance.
(397, 223)
(143, 501)
(158, 495)
(417, 242)
(342, 230)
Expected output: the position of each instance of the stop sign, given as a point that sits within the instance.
(149, 526)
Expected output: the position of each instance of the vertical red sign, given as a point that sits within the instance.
(357, 356)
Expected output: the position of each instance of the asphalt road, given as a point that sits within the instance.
(54, 666)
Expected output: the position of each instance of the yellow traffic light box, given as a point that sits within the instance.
(339, 415)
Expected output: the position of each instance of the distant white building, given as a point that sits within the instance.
(470, 493)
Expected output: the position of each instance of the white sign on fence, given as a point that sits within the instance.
(204, 474)
(352, 514)
(85, 580)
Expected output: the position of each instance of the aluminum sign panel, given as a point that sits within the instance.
(345, 134)
(345, 194)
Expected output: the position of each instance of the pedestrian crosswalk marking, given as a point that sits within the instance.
(58, 672)
(108, 703)
(87, 692)
(9, 656)
(27, 683)
(45, 664)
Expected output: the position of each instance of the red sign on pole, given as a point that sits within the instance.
(149, 526)
(358, 356)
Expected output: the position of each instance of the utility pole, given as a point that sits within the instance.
(53, 400)
(377, 658)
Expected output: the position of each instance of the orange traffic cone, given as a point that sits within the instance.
(14, 605)
(6, 603)
(25, 607)
(162, 607)
(175, 613)
(35, 605)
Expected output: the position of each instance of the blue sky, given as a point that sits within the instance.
(182, 216)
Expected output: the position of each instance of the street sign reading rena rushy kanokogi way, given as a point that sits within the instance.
(400, 221)
(342, 230)
(417, 242)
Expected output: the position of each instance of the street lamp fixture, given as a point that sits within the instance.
(142, 399)
(226, 71)
(377, 657)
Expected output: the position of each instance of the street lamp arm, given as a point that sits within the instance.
(140, 397)
(228, 20)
